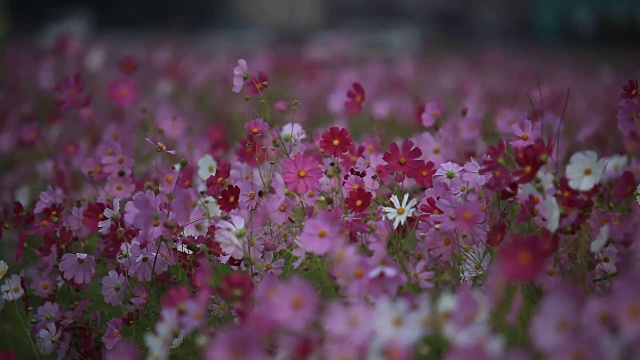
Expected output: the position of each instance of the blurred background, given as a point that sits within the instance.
(399, 23)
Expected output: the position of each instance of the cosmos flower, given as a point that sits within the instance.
(335, 141)
(401, 211)
(584, 170)
(124, 92)
(301, 173)
(240, 74)
(78, 267)
(356, 97)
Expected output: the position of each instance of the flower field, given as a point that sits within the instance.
(164, 200)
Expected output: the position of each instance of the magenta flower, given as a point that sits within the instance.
(160, 147)
(355, 97)
(467, 216)
(113, 288)
(70, 93)
(301, 173)
(403, 161)
(240, 74)
(256, 126)
(231, 343)
(78, 267)
(123, 92)
(113, 334)
(295, 305)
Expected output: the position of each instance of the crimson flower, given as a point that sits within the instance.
(356, 98)
(358, 200)
(531, 159)
(522, 259)
(424, 174)
(127, 65)
(629, 90)
(236, 287)
(495, 236)
(217, 182)
(625, 186)
(229, 197)
(404, 161)
(494, 157)
(335, 141)
(70, 93)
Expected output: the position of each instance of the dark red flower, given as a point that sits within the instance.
(495, 236)
(217, 182)
(625, 186)
(93, 214)
(229, 197)
(356, 98)
(629, 90)
(358, 200)
(494, 158)
(70, 92)
(424, 174)
(521, 259)
(335, 141)
(236, 287)
(403, 161)
(531, 159)
(127, 65)
(249, 150)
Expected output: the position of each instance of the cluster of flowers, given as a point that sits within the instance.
(301, 241)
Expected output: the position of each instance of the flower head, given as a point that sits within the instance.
(629, 90)
(335, 141)
(160, 147)
(70, 93)
(401, 211)
(240, 74)
(432, 111)
(123, 92)
(301, 173)
(12, 288)
(404, 161)
(256, 126)
(78, 267)
(584, 170)
(3, 268)
(356, 98)
(525, 134)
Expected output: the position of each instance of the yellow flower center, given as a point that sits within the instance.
(400, 211)
(322, 233)
(336, 142)
(255, 130)
(524, 137)
(402, 161)
(588, 171)
(358, 202)
(302, 173)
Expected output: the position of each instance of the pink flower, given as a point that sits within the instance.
(78, 267)
(113, 334)
(70, 93)
(521, 259)
(240, 74)
(124, 349)
(123, 92)
(256, 126)
(432, 111)
(142, 210)
(301, 173)
(467, 216)
(320, 234)
(526, 134)
(356, 98)
(113, 288)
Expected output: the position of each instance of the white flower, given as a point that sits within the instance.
(109, 214)
(475, 263)
(47, 338)
(394, 321)
(638, 194)
(12, 289)
(584, 170)
(184, 249)
(231, 236)
(210, 206)
(3, 268)
(400, 212)
(551, 213)
(206, 167)
(616, 165)
(601, 239)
